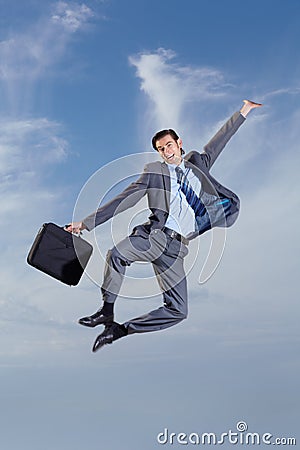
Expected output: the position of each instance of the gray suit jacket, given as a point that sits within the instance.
(155, 183)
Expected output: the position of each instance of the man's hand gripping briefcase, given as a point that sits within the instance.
(60, 254)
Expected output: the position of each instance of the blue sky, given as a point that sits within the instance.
(83, 85)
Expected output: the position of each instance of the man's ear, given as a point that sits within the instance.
(179, 142)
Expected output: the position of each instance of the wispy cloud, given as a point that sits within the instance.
(170, 86)
(36, 52)
(24, 142)
(28, 149)
(282, 91)
(29, 53)
(30, 146)
(71, 16)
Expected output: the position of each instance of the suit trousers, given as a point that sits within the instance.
(166, 255)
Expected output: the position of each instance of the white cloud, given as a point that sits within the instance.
(26, 146)
(282, 91)
(28, 54)
(26, 201)
(72, 16)
(170, 87)
(30, 147)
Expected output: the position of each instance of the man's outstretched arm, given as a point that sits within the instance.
(125, 200)
(214, 147)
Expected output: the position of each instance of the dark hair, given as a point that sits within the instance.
(162, 133)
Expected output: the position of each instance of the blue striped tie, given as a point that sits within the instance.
(192, 198)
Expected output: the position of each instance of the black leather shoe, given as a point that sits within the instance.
(110, 334)
(96, 319)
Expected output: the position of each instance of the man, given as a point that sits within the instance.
(185, 201)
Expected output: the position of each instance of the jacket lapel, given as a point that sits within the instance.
(166, 183)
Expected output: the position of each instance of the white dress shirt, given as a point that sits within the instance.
(181, 216)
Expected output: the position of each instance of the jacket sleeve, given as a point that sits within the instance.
(214, 147)
(125, 200)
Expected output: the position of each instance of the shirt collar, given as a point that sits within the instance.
(172, 167)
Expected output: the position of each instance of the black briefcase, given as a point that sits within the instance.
(60, 254)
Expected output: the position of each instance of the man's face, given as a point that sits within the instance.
(169, 149)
